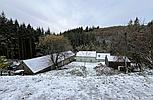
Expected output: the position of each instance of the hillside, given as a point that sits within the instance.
(62, 85)
(108, 31)
(133, 40)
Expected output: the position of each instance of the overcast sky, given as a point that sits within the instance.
(60, 15)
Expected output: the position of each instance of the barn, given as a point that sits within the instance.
(43, 63)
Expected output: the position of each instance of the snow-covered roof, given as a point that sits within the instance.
(117, 59)
(86, 54)
(40, 63)
(102, 55)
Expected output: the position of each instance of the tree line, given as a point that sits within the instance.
(81, 39)
(18, 41)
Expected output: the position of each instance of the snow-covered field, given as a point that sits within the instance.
(62, 85)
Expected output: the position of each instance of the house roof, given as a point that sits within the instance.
(117, 59)
(102, 55)
(86, 54)
(40, 63)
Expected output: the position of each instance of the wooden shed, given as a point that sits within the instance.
(116, 61)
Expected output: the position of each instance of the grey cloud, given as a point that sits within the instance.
(61, 15)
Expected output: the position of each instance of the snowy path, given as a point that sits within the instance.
(76, 88)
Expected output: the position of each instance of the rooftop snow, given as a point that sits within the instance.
(102, 55)
(86, 54)
(40, 63)
(117, 58)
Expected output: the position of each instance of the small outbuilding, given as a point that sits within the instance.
(116, 61)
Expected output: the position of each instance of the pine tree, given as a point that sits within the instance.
(48, 32)
(17, 41)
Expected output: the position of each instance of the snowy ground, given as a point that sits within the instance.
(62, 85)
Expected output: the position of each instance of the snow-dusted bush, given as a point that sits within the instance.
(76, 72)
(104, 70)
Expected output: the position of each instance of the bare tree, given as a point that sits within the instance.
(54, 46)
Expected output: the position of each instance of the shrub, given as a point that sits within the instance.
(76, 72)
(104, 70)
(3, 62)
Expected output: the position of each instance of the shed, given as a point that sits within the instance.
(43, 64)
(86, 56)
(115, 61)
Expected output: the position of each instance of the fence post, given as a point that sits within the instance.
(1, 73)
(9, 73)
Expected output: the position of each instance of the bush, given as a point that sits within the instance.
(104, 70)
(3, 62)
(76, 72)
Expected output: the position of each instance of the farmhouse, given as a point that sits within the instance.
(86, 56)
(43, 64)
(116, 61)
